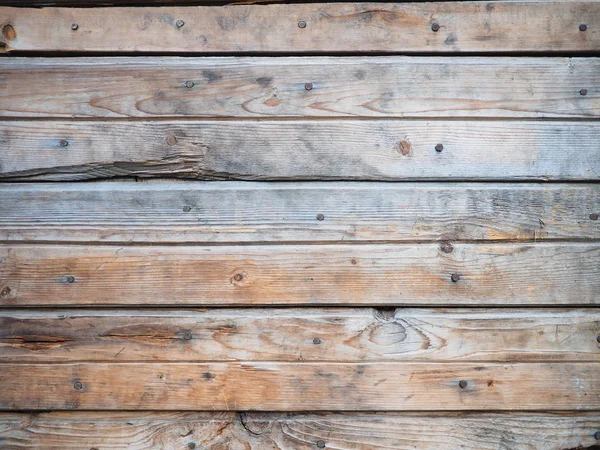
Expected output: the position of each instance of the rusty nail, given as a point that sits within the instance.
(70, 279)
(189, 84)
(583, 92)
(187, 335)
(463, 384)
(593, 216)
(308, 86)
(320, 217)
(187, 208)
(78, 385)
(302, 24)
(455, 277)
(238, 277)
(74, 26)
(63, 143)
(5, 292)
(446, 247)
(435, 27)
(180, 23)
(582, 27)
(316, 341)
(321, 444)
(439, 147)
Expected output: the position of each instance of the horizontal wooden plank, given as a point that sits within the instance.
(280, 150)
(444, 27)
(280, 386)
(390, 86)
(403, 274)
(172, 211)
(259, 431)
(300, 335)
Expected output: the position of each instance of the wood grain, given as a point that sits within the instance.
(177, 212)
(403, 274)
(304, 149)
(496, 26)
(501, 335)
(280, 386)
(259, 431)
(383, 86)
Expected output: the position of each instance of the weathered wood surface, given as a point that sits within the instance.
(497, 26)
(260, 431)
(390, 86)
(305, 149)
(172, 211)
(403, 274)
(283, 386)
(300, 335)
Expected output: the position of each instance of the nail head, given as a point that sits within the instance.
(187, 209)
(320, 217)
(78, 385)
(447, 247)
(180, 23)
(435, 27)
(316, 341)
(302, 24)
(455, 277)
(187, 336)
(463, 384)
(321, 444)
(74, 26)
(64, 143)
(308, 86)
(582, 27)
(593, 216)
(189, 84)
(439, 147)
(583, 92)
(5, 292)
(597, 435)
(238, 277)
(70, 279)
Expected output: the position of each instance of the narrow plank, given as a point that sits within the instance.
(300, 335)
(280, 386)
(259, 431)
(304, 149)
(495, 26)
(383, 86)
(176, 212)
(404, 274)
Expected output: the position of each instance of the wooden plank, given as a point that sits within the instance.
(307, 149)
(444, 27)
(171, 212)
(259, 431)
(280, 386)
(300, 335)
(404, 274)
(383, 86)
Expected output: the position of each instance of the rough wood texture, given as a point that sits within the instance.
(420, 274)
(310, 150)
(282, 386)
(547, 26)
(224, 212)
(391, 86)
(260, 431)
(300, 335)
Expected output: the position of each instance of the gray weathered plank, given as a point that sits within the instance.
(493, 26)
(402, 274)
(391, 86)
(489, 335)
(304, 149)
(260, 431)
(172, 211)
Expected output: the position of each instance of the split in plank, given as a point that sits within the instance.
(392, 86)
(488, 335)
(402, 274)
(444, 27)
(282, 386)
(259, 431)
(174, 211)
(302, 150)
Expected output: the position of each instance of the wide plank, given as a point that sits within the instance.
(444, 27)
(254, 212)
(259, 431)
(401, 274)
(489, 335)
(281, 386)
(383, 86)
(301, 150)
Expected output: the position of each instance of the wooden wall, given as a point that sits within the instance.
(299, 225)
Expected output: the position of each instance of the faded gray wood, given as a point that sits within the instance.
(494, 26)
(304, 149)
(401, 274)
(500, 335)
(172, 211)
(260, 431)
(392, 86)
